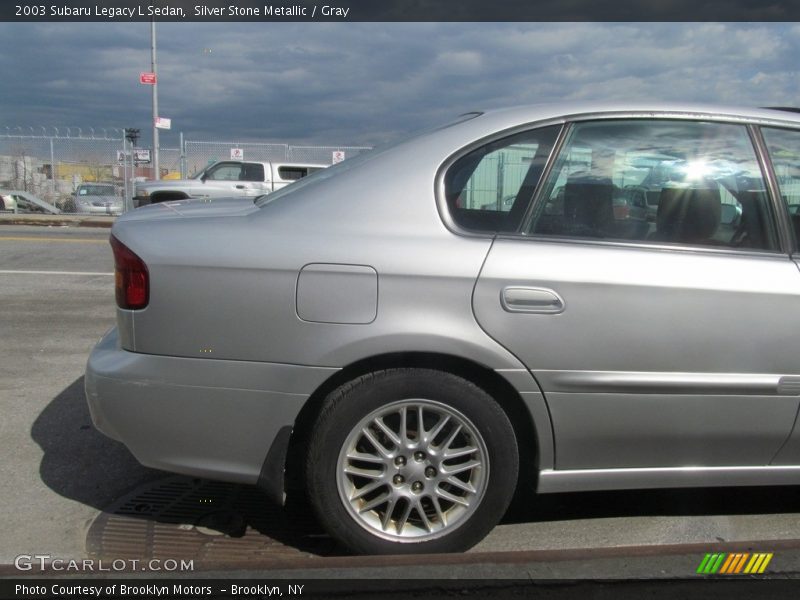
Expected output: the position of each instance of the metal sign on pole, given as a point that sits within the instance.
(141, 156)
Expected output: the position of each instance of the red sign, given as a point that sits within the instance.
(147, 78)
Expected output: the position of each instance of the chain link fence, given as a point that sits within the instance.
(200, 154)
(51, 166)
(52, 162)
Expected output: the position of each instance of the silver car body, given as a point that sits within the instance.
(98, 199)
(638, 366)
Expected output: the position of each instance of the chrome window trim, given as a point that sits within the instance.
(536, 200)
(778, 205)
(644, 245)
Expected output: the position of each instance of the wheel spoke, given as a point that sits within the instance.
(401, 522)
(459, 452)
(374, 441)
(452, 497)
(351, 470)
(388, 432)
(451, 437)
(439, 514)
(363, 491)
(364, 457)
(387, 517)
(438, 428)
(460, 467)
(467, 487)
(404, 424)
(421, 512)
(375, 502)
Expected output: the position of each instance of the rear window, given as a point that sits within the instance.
(490, 188)
(96, 190)
(292, 173)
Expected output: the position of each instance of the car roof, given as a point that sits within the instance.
(503, 118)
(557, 109)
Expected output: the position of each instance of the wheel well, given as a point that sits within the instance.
(485, 378)
(167, 196)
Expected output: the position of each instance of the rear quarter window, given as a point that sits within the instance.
(489, 189)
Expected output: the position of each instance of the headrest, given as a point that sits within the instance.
(689, 215)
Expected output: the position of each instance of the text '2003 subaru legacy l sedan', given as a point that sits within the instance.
(412, 333)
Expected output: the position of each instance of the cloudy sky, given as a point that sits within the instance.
(363, 83)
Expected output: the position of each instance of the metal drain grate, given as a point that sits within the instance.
(207, 521)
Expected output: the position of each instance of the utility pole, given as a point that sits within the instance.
(132, 135)
(156, 169)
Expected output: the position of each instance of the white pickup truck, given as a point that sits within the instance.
(225, 179)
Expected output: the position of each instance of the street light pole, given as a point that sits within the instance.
(132, 135)
(156, 170)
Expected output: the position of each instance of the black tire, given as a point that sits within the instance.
(434, 523)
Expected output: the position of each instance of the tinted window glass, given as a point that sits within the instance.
(489, 188)
(292, 173)
(252, 172)
(677, 182)
(225, 172)
(784, 150)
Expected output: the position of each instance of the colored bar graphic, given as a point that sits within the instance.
(740, 563)
(727, 564)
(703, 564)
(736, 563)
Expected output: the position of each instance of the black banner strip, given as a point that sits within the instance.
(399, 10)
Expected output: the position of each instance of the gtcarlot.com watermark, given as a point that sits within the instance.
(45, 562)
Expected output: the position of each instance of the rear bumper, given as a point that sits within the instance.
(201, 417)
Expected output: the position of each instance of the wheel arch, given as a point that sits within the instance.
(492, 382)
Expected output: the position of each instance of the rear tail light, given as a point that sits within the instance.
(131, 279)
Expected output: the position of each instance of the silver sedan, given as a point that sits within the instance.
(415, 334)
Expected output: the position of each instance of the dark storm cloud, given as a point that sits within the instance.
(366, 82)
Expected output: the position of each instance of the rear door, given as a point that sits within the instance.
(783, 148)
(666, 340)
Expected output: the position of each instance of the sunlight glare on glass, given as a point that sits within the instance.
(697, 169)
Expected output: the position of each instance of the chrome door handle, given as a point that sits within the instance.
(531, 300)
(239, 187)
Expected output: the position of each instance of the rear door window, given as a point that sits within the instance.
(783, 146)
(660, 182)
(252, 172)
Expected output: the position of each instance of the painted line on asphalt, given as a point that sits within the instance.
(16, 272)
(11, 238)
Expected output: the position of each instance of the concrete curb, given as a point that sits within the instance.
(57, 220)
